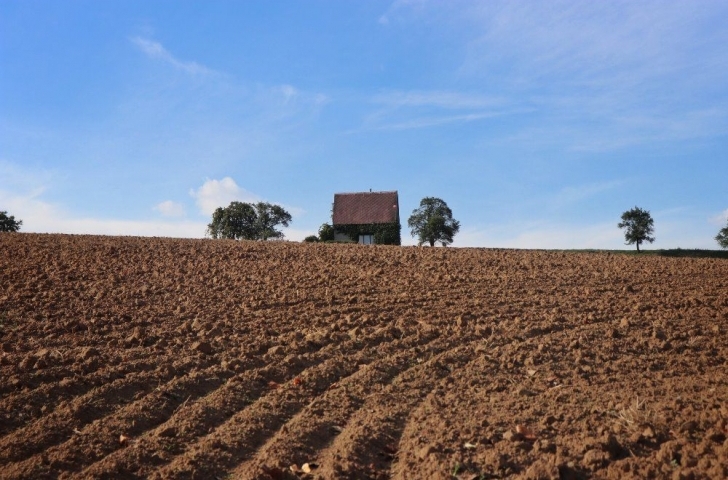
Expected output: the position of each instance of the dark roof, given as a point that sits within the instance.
(366, 207)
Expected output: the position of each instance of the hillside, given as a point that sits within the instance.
(124, 357)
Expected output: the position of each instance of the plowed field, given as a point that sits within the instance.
(162, 358)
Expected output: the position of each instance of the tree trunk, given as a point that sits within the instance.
(638, 247)
(432, 242)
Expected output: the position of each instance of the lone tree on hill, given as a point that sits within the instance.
(246, 221)
(722, 237)
(639, 226)
(432, 222)
(8, 223)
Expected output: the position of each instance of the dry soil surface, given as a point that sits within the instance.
(127, 357)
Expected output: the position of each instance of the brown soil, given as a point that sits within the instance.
(144, 357)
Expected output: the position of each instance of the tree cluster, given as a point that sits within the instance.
(8, 223)
(247, 221)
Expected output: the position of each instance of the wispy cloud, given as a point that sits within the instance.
(572, 194)
(156, 50)
(597, 76)
(441, 99)
(404, 110)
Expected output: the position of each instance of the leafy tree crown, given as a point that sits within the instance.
(246, 221)
(432, 222)
(722, 237)
(8, 223)
(638, 225)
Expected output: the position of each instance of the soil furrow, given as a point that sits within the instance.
(370, 441)
(19, 410)
(200, 417)
(318, 423)
(246, 431)
(58, 426)
(119, 430)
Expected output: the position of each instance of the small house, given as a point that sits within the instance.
(367, 218)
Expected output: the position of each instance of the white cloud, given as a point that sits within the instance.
(219, 193)
(156, 50)
(169, 208)
(40, 216)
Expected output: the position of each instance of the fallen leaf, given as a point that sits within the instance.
(294, 468)
(531, 372)
(309, 467)
(297, 381)
(123, 439)
(469, 445)
(525, 432)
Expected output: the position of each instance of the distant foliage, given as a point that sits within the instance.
(246, 221)
(326, 233)
(432, 222)
(722, 237)
(8, 223)
(384, 233)
(311, 239)
(638, 225)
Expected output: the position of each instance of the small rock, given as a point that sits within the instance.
(624, 323)
(510, 436)
(203, 347)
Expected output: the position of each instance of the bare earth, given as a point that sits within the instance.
(130, 357)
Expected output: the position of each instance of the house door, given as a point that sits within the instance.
(366, 239)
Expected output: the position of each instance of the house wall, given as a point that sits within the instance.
(341, 237)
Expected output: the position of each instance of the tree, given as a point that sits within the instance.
(248, 221)
(326, 233)
(432, 222)
(722, 237)
(311, 239)
(639, 226)
(8, 223)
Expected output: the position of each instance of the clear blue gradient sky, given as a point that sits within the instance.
(538, 122)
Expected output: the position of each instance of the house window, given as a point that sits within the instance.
(366, 239)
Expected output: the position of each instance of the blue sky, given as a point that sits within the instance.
(538, 123)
